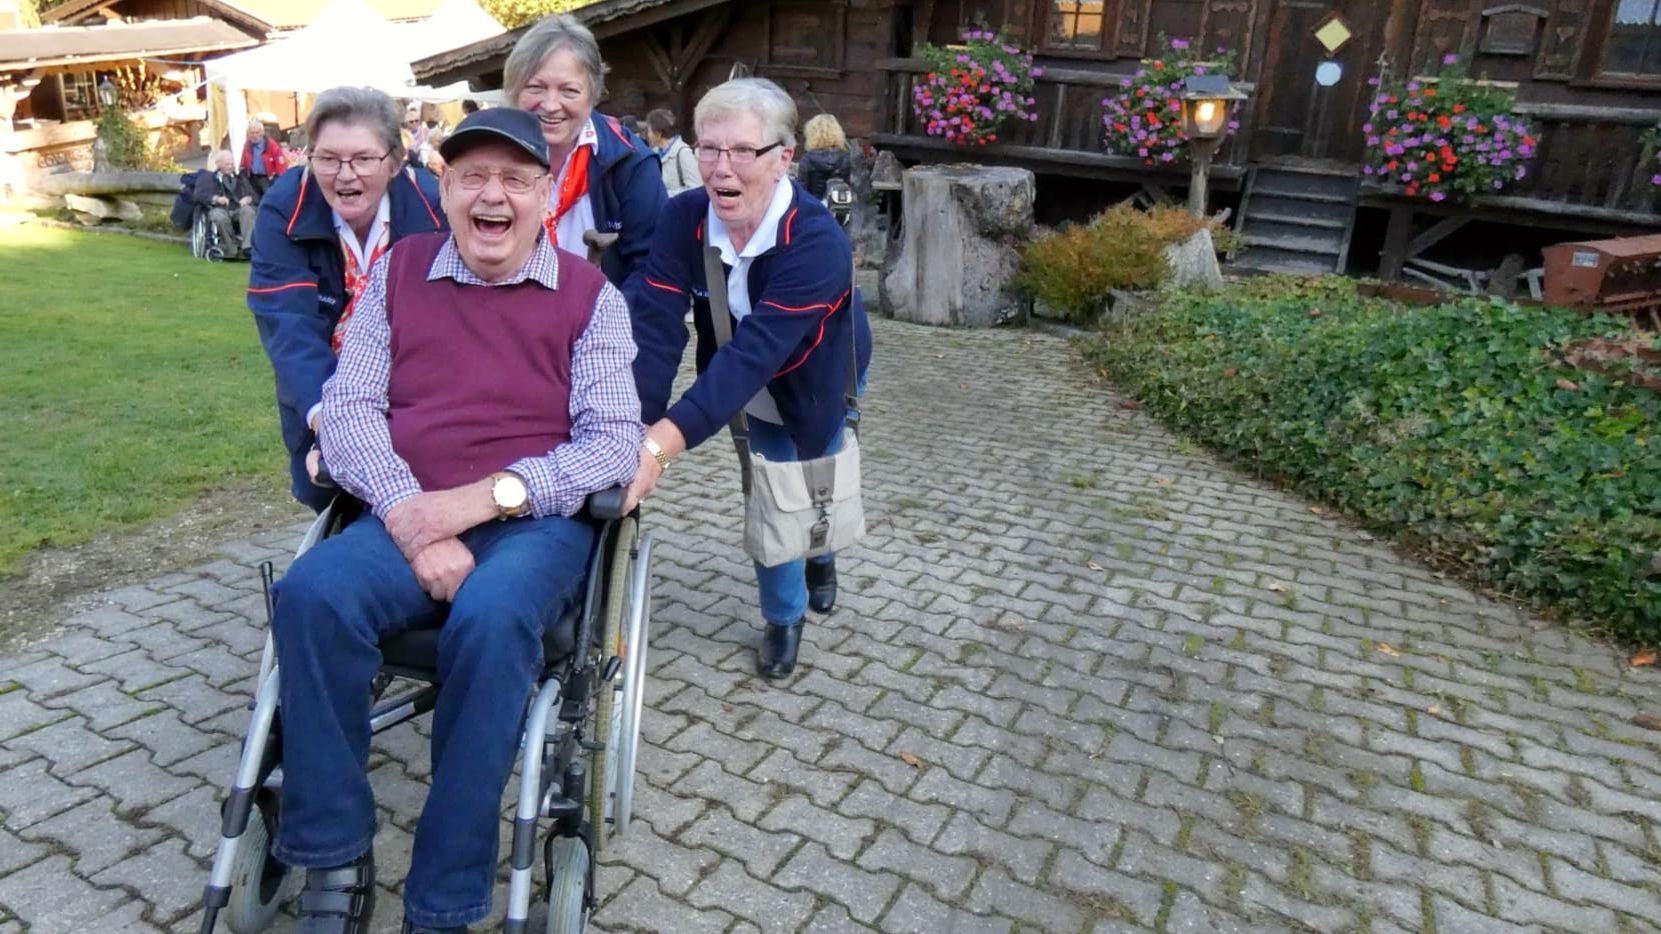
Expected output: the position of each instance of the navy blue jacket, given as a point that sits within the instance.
(297, 288)
(795, 342)
(626, 194)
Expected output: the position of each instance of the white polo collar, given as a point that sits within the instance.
(767, 232)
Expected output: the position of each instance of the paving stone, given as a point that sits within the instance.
(918, 912)
(996, 891)
(864, 894)
(947, 876)
(30, 794)
(19, 714)
(47, 896)
(164, 876)
(135, 782)
(640, 906)
(1023, 858)
(771, 909)
(760, 852)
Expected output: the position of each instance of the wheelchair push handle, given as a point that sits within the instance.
(607, 505)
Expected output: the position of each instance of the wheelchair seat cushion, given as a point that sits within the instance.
(417, 649)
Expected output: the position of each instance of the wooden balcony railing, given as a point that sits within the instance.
(1067, 134)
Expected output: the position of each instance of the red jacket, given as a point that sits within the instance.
(275, 162)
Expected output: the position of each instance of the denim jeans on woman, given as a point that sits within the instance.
(332, 610)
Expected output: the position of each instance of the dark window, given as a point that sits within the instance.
(1634, 44)
(1079, 25)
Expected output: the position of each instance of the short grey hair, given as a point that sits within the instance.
(551, 34)
(255, 123)
(758, 96)
(223, 154)
(366, 107)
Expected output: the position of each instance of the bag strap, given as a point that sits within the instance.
(720, 314)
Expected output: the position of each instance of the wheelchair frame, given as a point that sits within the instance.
(204, 236)
(605, 668)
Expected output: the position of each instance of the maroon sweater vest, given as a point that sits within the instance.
(481, 375)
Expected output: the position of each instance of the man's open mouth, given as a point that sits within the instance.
(492, 226)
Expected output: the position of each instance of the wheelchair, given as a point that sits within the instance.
(577, 754)
(204, 237)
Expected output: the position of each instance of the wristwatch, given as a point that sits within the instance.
(658, 454)
(509, 493)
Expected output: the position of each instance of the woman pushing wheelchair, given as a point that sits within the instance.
(783, 341)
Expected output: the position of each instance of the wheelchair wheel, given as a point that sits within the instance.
(567, 886)
(633, 698)
(605, 725)
(257, 878)
(199, 236)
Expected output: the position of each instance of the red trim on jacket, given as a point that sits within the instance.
(299, 199)
(617, 130)
(789, 220)
(829, 307)
(817, 340)
(282, 288)
(409, 175)
(664, 286)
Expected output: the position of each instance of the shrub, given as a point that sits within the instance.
(1458, 427)
(1145, 118)
(1449, 137)
(1072, 269)
(515, 13)
(972, 91)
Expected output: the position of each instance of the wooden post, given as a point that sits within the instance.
(1200, 153)
(1394, 255)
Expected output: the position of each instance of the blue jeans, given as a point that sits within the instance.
(335, 605)
(783, 587)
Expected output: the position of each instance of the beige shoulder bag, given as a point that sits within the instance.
(794, 509)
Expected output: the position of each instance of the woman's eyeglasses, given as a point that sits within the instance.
(737, 155)
(361, 165)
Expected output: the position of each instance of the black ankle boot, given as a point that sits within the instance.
(821, 586)
(339, 900)
(777, 656)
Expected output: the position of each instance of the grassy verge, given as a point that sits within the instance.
(131, 382)
(1459, 428)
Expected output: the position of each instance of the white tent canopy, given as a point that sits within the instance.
(351, 44)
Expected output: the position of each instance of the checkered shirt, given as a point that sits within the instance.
(606, 434)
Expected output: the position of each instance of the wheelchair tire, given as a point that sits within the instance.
(633, 698)
(567, 886)
(604, 727)
(258, 879)
(198, 237)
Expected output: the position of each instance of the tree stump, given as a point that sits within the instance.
(957, 253)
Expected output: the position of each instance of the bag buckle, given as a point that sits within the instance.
(819, 534)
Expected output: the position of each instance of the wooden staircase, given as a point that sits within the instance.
(1296, 220)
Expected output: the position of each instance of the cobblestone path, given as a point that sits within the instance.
(1081, 679)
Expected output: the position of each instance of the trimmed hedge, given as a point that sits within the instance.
(1457, 427)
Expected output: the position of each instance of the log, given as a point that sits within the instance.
(101, 183)
(1193, 263)
(104, 208)
(957, 252)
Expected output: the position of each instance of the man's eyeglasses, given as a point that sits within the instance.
(514, 183)
(737, 155)
(361, 165)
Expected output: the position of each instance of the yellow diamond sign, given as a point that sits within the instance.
(1333, 34)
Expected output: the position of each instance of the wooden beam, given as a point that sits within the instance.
(703, 39)
(922, 20)
(626, 24)
(1066, 162)
(661, 64)
(1585, 113)
(1438, 232)
(1393, 256)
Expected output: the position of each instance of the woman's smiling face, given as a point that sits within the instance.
(562, 98)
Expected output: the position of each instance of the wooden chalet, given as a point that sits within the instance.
(1587, 74)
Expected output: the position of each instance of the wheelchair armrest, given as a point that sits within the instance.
(607, 505)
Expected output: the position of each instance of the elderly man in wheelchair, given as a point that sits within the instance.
(484, 394)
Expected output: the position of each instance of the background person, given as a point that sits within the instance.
(826, 157)
(790, 291)
(680, 163)
(226, 194)
(318, 233)
(605, 177)
(263, 159)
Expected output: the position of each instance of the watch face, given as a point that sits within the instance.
(509, 492)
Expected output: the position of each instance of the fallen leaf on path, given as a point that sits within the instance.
(1162, 481)
(911, 760)
(1093, 566)
(1130, 404)
(1385, 648)
(1435, 710)
(1317, 510)
(726, 708)
(1648, 721)
(1568, 385)
(1277, 587)
(1646, 657)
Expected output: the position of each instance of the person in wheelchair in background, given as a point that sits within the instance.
(229, 201)
(483, 391)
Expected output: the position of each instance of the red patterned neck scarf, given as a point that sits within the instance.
(356, 279)
(572, 188)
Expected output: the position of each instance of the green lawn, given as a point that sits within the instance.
(131, 382)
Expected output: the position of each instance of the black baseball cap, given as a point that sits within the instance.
(516, 126)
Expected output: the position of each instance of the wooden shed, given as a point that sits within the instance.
(1587, 74)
